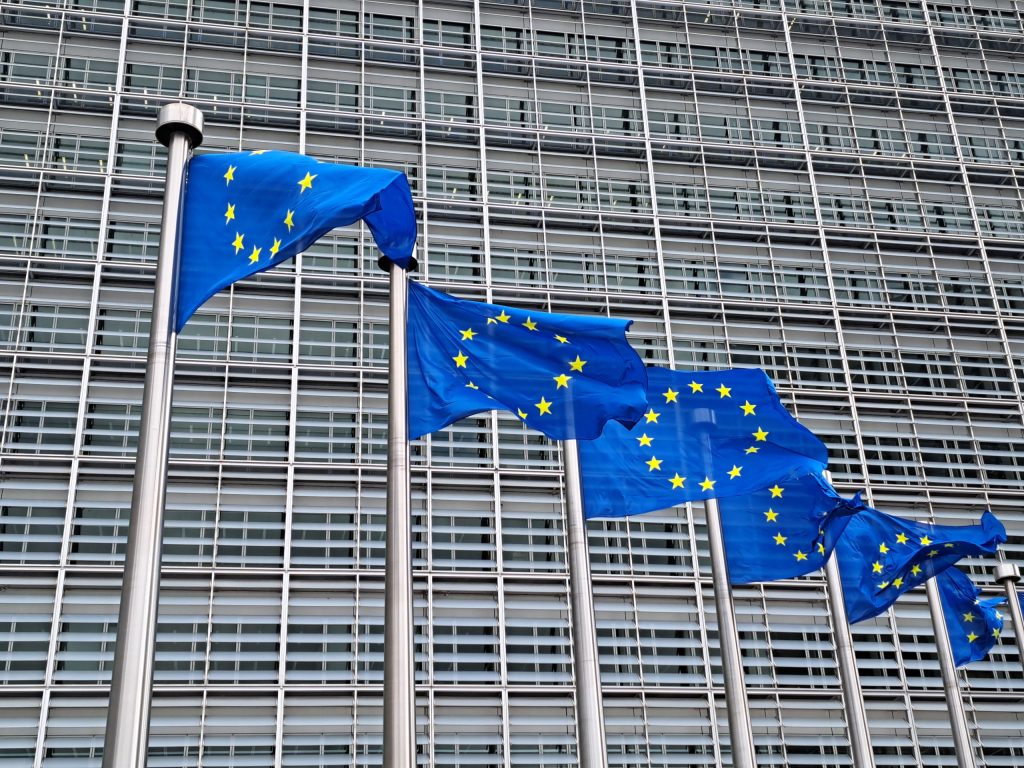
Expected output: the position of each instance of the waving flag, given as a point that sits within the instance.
(785, 531)
(973, 624)
(881, 556)
(704, 435)
(563, 375)
(246, 212)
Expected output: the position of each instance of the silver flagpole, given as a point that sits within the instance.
(180, 129)
(589, 711)
(950, 683)
(1008, 575)
(853, 696)
(399, 659)
(740, 730)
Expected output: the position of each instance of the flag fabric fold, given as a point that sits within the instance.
(246, 212)
(785, 531)
(710, 434)
(882, 556)
(563, 375)
(973, 624)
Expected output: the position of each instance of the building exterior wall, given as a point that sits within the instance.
(828, 190)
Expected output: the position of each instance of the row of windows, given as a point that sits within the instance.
(650, 636)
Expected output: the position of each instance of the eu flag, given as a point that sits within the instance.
(704, 435)
(784, 533)
(246, 212)
(563, 375)
(881, 556)
(973, 624)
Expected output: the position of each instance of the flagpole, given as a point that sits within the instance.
(849, 677)
(399, 658)
(957, 715)
(1008, 575)
(126, 740)
(738, 710)
(853, 696)
(590, 732)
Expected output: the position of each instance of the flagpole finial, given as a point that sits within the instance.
(179, 117)
(386, 264)
(1006, 572)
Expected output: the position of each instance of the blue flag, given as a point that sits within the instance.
(563, 375)
(779, 534)
(881, 556)
(973, 624)
(249, 211)
(705, 435)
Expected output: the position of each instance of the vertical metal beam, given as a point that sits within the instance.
(849, 677)
(589, 709)
(950, 683)
(399, 659)
(741, 735)
(1008, 575)
(180, 129)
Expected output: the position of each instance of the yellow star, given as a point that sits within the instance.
(780, 539)
(543, 406)
(275, 247)
(237, 242)
(723, 391)
(653, 464)
(255, 255)
(883, 548)
(460, 359)
(229, 214)
(289, 222)
(969, 617)
(876, 567)
(695, 387)
(995, 633)
(897, 582)
(677, 481)
(901, 538)
(530, 325)
(821, 548)
(259, 152)
(651, 416)
(708, 484)
(748, 409)
(915, 570)
(761, 436)
(933, 553)
(562, 381)
(771, 516)
(925, 541)
(561, 339)
(468, 334)
(948, 545)
(503, 317)
(800, 555)
(734, 472)
(776, 492)
(577, 364)
(883, 585)
(645, 440)
(972, 637)
(307, 182)
(471, 385)
(521, 413)
(670, 395)
(230, 175)
(752, 449)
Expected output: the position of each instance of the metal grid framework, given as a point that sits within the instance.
(829, 189)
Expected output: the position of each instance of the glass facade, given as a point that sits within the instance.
(828, 189)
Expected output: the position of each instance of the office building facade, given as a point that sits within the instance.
(828, 189)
